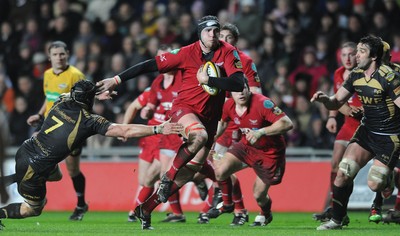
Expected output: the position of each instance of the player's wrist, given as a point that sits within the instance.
(158, 129)
(117, 79)
(331, 117)
(40, 116)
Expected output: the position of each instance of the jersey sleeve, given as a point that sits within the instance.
(270, 111)
(99, 124)
(171, 60)
(232, 62)
(394, 83)
(348, 84)
(250, 70)
(155, 86)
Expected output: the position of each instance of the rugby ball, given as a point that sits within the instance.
(213, 71)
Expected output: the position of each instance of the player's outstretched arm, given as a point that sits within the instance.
(138, 130)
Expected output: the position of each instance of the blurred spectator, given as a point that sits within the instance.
(72, 14)
(289, 51)
(138, 36)
(152, 46)
(380, 26)
(124, 16)
(31, 35)
(45, 17)
(93, 70)
(99, 10)
(19, 129)
(197, 10)
(249, 22)
(78, 55)
(174, 13)
(307, 17)
(279, 15)
(21, 63)
(85, 34)
(392, 12)
(149, 18)
(7, 93)
(333, 8)
(187, 32)
(310, 66)
(32, 91)
(224, 16)
(111, 41)
(395, 48)
(355, 28)
(164, 32)
(310, 123)
(40, 65)
(328, 28)
(60, 30)
(9, 42)
(129, 51)
(270, 31)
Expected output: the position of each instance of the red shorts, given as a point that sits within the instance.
(270, 167)
(171, 142)
(210, 124)
(347, 131)
(150, 148)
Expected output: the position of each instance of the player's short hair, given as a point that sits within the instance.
(375, 46)
(58, 44)
(233, 29)
(349, 45)
(83, 92)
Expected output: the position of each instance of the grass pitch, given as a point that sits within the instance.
(115, 223)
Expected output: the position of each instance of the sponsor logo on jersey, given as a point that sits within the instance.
(236, 121)
(277, 111)
(62, 86)
(268, 104)
(253, 122)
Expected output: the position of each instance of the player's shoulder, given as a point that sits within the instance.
(386, 71)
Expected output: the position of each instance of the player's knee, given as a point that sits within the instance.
(377, 176)
(33, 208)
(196, 133)
(349, 167)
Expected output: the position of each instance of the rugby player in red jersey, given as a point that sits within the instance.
(262, 146)
(197, 110)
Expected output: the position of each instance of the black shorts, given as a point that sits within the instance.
(31, 185)
(385, 148)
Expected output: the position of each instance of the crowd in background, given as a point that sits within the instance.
(294, 45)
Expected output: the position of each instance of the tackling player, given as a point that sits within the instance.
(68, 124)
(58, 80)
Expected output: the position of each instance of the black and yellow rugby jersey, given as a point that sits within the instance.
(381, 115)
(66, 127)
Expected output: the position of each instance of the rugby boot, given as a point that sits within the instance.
(392, 216)
(215, 212)
(262, 220)
(144, 219)
(330, 225)
(375, 214)
(324, 216)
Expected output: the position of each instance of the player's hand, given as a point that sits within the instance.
(202, 75)
(169, 128)
(356, 112)
(253, 135)
(320, 97)
(34, 120)
(331, 125)
(108, 84)
(123, 139)
(106, 95)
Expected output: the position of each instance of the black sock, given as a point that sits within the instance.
(79, 186)
(340, 200)
(11, 211)
(266, 209)
(378, 201)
